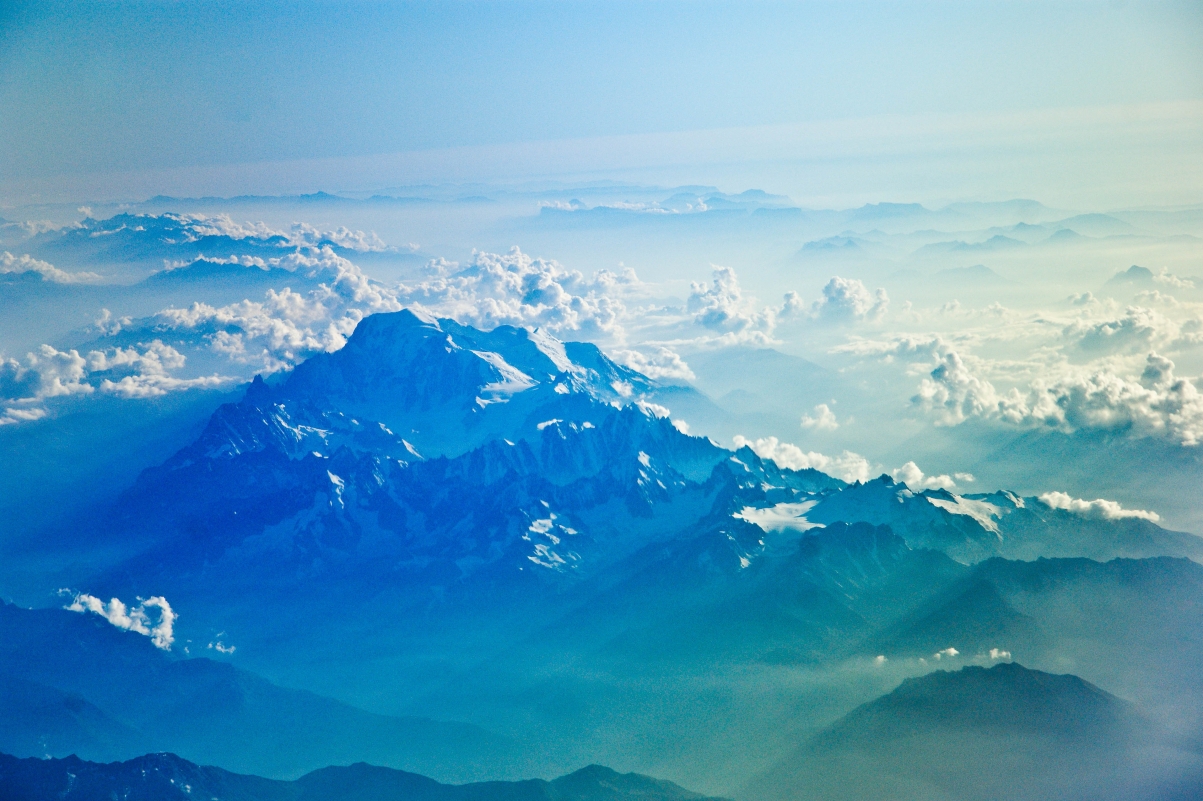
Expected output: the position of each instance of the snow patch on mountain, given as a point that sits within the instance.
(984, 513)
(779, 517)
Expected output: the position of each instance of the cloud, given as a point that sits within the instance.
(914, 346)
(1098, 509)
(848, 300)
(27, 264)
(193, 227)
(45, 373)
(1138, 330)
(824, 419)
(660, 363)
(953, 393)
(516, 289)
(720, 306)
(133, 372)
(136, 619)
(1157, 405)
(15, 415)
(847, 466)
(913, 477)
(304, 234)
(286, 326)
(1166, 277)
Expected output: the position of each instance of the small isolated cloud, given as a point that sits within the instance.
(220, 646)
(848, 466)
(27, 264)
(720, 306)
(11, 415)
(1098, 509)
(997, 654)
(880, 660)
(823, 420)
(136, 619)
(653, 409)
(947, 653)
(656, 362)
(914, 478)
(847, 300)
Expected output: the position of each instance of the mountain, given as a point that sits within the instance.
(137, 244)
(1133, 275)
(374, 461)
(1128, 623)
(977, 733)
(40, 720)
(161, 777)
(782, 599)
(514, 531)
(975, 275)
(74, 684)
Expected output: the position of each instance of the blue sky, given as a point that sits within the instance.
(117, 87)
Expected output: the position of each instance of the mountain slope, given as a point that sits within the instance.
(73, 683)
(1134, 625)
(978, 733)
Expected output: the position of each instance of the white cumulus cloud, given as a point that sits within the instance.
(848, 466)
(914, 478)
(137, 619)
(1158, 404)
(516, 289)
(849, 300)
(823, 420)
(26, 264)
(1097, 509)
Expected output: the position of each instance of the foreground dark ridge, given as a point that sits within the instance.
(162, 777)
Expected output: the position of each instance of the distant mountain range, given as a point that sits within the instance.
(164, 777)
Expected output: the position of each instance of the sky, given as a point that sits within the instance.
(115, 99)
